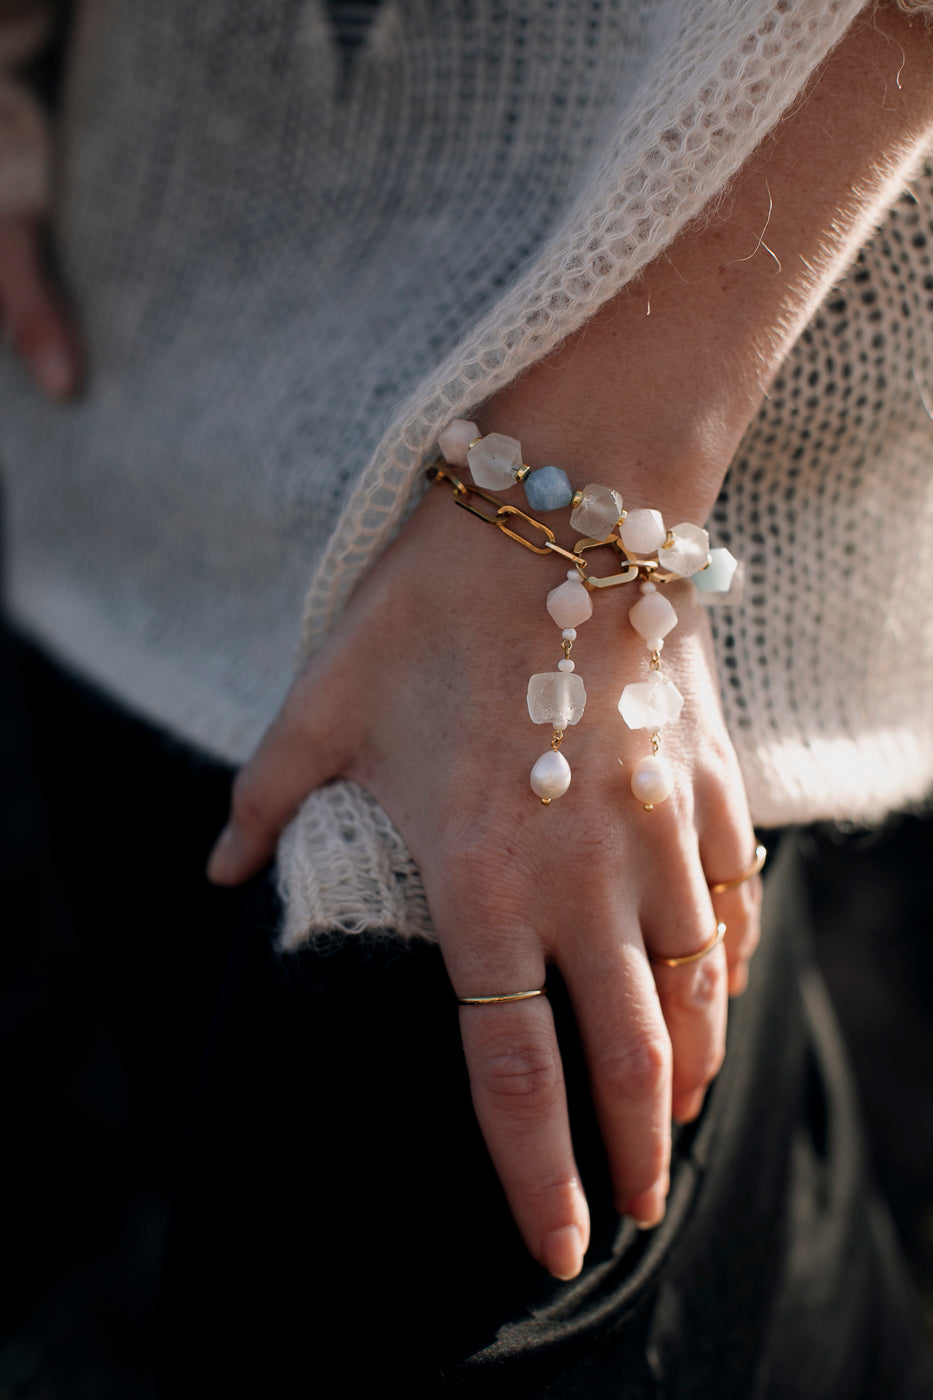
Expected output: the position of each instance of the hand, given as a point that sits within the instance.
(33, 313)
(420, 697)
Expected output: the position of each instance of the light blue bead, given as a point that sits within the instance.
(718, 576)
(548, 489)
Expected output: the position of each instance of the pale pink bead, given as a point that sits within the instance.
(569, 604)
(455, 440)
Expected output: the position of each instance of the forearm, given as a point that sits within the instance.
(655, 393)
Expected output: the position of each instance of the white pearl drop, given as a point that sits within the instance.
(566, 665)
(654, 643)
(550, 777)
(569, 634)
(652, 779)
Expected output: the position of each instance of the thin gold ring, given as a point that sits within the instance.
(714, 942)
(494, 1001)
(761, 855)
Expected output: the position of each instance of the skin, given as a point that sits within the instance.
(419, 695)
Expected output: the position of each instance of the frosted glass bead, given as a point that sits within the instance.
(556, 698)
(652, 779)
(550, 777)
(720, 575)
(569, 634)
(494, 461)
(689, 551)
(548, 489)
(455, 440)
(643, 531)
(598, 512)
(652, 616)
(654, 643)
(569, 604)
(650, 704)
(648, 587)
(566, 665)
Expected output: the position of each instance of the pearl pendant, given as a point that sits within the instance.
(652, 780)
(550, 777)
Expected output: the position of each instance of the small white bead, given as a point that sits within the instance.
(655, 643)
(572, 573)
(550, 777)
(569, 634)
(649, 587)
(652, 780)
(566, 664)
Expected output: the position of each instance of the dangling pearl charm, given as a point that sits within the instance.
(652, 780)
(550, 777)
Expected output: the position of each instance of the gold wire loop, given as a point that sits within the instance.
(708, 947)
(757, 865)
(512, 512)
(508, 996)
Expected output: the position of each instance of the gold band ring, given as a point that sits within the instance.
(494, 1001)
(761, 855)
(714, 942)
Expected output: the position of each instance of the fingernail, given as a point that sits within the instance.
(55, 371)
(220, 862)
(647, 1210)
(562, 1252)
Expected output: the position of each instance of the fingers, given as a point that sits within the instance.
(518, 1093)
(679, 921)
(308, 743)
(629, 1053)
(34, 316)
(727, 847)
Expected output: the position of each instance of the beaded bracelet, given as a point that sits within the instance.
(644, 549)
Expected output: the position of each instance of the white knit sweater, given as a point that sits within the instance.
(291, 280)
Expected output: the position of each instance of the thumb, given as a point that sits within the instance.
(310, 741)
(33, 313)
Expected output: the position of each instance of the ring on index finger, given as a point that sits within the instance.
(507, 996)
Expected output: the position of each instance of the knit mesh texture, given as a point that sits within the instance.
(270, 254)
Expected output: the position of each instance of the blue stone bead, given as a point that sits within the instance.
(548, 489)
(718, 576)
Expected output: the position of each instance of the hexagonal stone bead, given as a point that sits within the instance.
(454, 441)
(569, 604)
(652, 616)
(688, 552)
(548, 489)
(643, 531)
(556, 698)
(720, 576)
(494, 461)
(650, 704)
(598, 512)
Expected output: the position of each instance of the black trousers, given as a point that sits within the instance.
(337, 1228)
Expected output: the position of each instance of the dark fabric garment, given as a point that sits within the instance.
(337, 1226)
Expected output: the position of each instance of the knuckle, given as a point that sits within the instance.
(524, 1074)
(638, 1071)
(701, 987)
